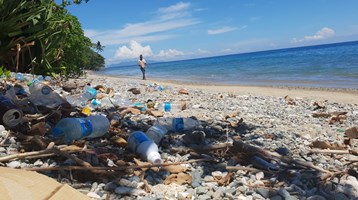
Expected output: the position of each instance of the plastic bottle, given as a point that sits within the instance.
(156, 133)
(43, 95)
(141, 144)
(121, 102)
(81, 100)
(177, 124)
(20, 77)
(70, 129)
(171, 107)
(10, 114)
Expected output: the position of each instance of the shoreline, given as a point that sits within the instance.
(338, 95)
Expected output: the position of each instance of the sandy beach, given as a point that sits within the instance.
(349, 96)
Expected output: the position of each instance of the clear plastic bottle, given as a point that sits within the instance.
(43, 95)
(70, 129)
(156, 133)
(81, 100)
(141, 144)
(177, 124)
(171, 107)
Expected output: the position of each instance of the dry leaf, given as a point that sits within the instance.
(134, 111)
(326, 145)
(179, 179)
(226, 180)
(231, 115)
(318, 105)
(121, 142)
(352, 132)
(40, 129)
(175, 168)
(183, 91)
(289, 100)
(134, 90)
(156, 113)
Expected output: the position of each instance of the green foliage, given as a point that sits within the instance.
(42, 37)
(4, 72)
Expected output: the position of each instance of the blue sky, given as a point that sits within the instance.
(166, 30)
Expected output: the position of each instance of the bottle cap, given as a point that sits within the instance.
(154, 157)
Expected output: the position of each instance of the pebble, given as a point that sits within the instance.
(268, 123)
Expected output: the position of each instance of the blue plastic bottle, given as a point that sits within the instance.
(70, 129)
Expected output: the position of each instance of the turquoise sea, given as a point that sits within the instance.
(324, 66)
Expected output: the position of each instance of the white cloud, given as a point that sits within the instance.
(322, 34)
(167, 18)
(224, 29)
(170, 53)
(133, 51)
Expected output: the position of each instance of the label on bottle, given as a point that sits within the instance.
(178, 124)
(136, 139)
(167, 107)
(86, 126)
(45, 90)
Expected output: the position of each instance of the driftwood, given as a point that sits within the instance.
(202, 148)
(122, 168)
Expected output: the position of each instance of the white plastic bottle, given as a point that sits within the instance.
(156, 133)
(177, 124)
(70, 129)
(141, 144)
(171, 107)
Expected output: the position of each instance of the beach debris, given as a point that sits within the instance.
(319, 105)
(180, 179)
(289, 100)
(352, 132)
(134, 90)
(208, 152)
(183, 91)
(326, 145)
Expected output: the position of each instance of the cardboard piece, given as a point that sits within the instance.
(22, 184)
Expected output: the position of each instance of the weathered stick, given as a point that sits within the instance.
(104, 169)
(328, 151)
(202, 148)
(236, 168)
(24, 155)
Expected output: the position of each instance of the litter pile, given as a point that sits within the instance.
(113, 140)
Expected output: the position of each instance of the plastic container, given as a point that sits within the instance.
(70, 129)
(177, 124)
(81, 100)
(171, 107)
(156, 133)
(141, 144)
(10, 114)
(43, 95)
(20, 77)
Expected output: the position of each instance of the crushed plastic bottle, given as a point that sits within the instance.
(81, 100)
(43, 95)
(156, 133)
(177, 124)
(141, 144)
(70, 129)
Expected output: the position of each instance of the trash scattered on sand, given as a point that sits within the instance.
(112, 140)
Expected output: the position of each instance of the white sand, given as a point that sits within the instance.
(347, 96)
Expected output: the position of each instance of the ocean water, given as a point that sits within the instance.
(322, 66)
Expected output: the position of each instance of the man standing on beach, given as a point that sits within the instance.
(142, 64)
